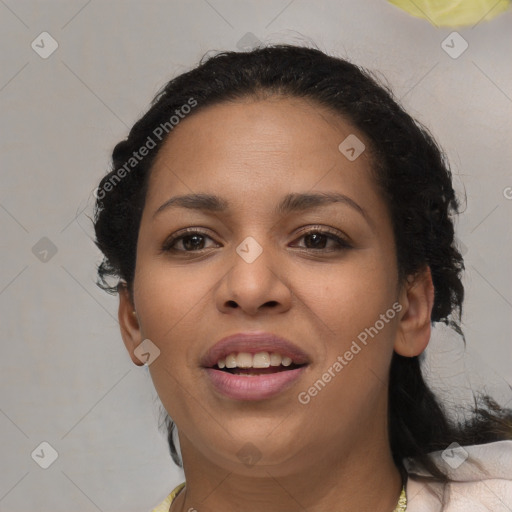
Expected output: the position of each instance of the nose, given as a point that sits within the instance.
(256, 282)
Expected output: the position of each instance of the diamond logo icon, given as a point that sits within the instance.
(248, 42)
(454, 455)
(351, 147)
(147, 352)
(44, 45)
(44, 455)
(44, 250)
(249, 454)
(454, 45)
(249, 250)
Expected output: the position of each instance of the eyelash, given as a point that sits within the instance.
(331, 235)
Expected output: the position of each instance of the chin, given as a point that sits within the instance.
(258, 453)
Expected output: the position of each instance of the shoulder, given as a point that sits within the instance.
(480, 480)
(166, 504)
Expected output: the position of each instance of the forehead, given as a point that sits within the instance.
(260, 147)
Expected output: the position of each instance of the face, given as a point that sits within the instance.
(263, 258)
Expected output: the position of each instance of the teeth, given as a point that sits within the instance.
(259, 360)
(286, 361)
(231, 361)
(275, 359)
(244, 360)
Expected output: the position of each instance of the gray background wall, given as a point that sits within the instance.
(65, 376)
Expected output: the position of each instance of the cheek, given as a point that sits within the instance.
(350, 300)
(170, 298)
(350, 296)
(170, 301)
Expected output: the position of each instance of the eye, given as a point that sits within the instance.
(316, 239)
(191, 240)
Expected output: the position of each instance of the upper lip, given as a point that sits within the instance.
(252, 343)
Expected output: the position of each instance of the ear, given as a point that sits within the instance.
(417, 300)
(129, 323)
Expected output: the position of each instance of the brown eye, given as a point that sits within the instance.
(190, 241)
(317, 240)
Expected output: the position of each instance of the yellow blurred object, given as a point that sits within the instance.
(453, 13)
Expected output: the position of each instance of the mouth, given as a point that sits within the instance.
(261, 371)
(261, 363)
(253, 366)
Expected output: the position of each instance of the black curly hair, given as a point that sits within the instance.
(410, 169)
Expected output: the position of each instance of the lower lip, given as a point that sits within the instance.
(254, 387)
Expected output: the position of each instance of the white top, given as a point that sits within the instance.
(481, 480)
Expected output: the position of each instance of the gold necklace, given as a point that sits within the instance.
(402, 502)
(400, 507)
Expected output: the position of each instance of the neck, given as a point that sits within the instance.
(361, 477)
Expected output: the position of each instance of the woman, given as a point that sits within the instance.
(281, 236)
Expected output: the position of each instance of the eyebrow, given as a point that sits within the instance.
(294, 202)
